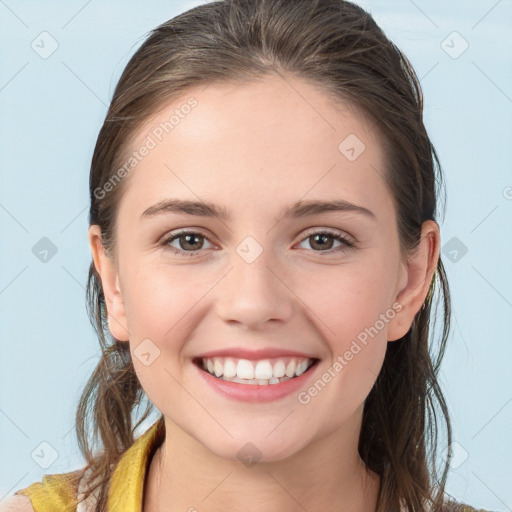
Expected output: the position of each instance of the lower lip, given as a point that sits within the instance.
(256, 392)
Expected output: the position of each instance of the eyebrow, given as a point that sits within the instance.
(297, 210)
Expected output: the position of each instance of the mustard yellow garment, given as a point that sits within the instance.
(55, 493)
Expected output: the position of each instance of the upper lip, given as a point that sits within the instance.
(263, 353)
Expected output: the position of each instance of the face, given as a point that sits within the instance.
(327, 284)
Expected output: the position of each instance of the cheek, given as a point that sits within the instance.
(159, 302)
(158, 297)
(346, 300)
(352, 312)
(347, 311)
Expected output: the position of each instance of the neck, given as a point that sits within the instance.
(327, 474)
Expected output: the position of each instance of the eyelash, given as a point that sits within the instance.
(174, 236)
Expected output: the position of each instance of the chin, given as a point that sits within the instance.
(250, 449)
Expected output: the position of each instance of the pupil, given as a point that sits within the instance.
(189, 237)
(323, 237)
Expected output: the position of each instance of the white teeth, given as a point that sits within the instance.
(301, 368)
(217, 367)
(279, 369)
(261, 372)
(229, 367)
(261, 382)
(290, 369)
(244, 369)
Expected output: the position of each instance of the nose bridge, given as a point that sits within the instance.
(253, 292)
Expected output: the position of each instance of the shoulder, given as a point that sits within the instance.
(16, 503)
(54, 493)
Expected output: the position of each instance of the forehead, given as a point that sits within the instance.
(266, 142)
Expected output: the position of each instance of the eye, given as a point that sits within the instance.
(189, 242)
(320, 239)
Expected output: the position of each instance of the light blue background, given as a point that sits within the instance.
(51, 112)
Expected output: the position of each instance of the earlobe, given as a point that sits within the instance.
(107, 270)
(420, 272)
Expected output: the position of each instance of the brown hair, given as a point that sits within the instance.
(337, 46)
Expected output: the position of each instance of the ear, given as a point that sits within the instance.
(418, 275)
(107, 270)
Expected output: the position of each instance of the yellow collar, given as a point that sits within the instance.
(129, 476)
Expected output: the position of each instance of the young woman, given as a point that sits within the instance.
(265, 260)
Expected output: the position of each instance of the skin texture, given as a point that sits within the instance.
(255, 149)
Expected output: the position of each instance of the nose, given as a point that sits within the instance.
(255, 293)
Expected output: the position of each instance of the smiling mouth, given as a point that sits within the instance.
(243, 371)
